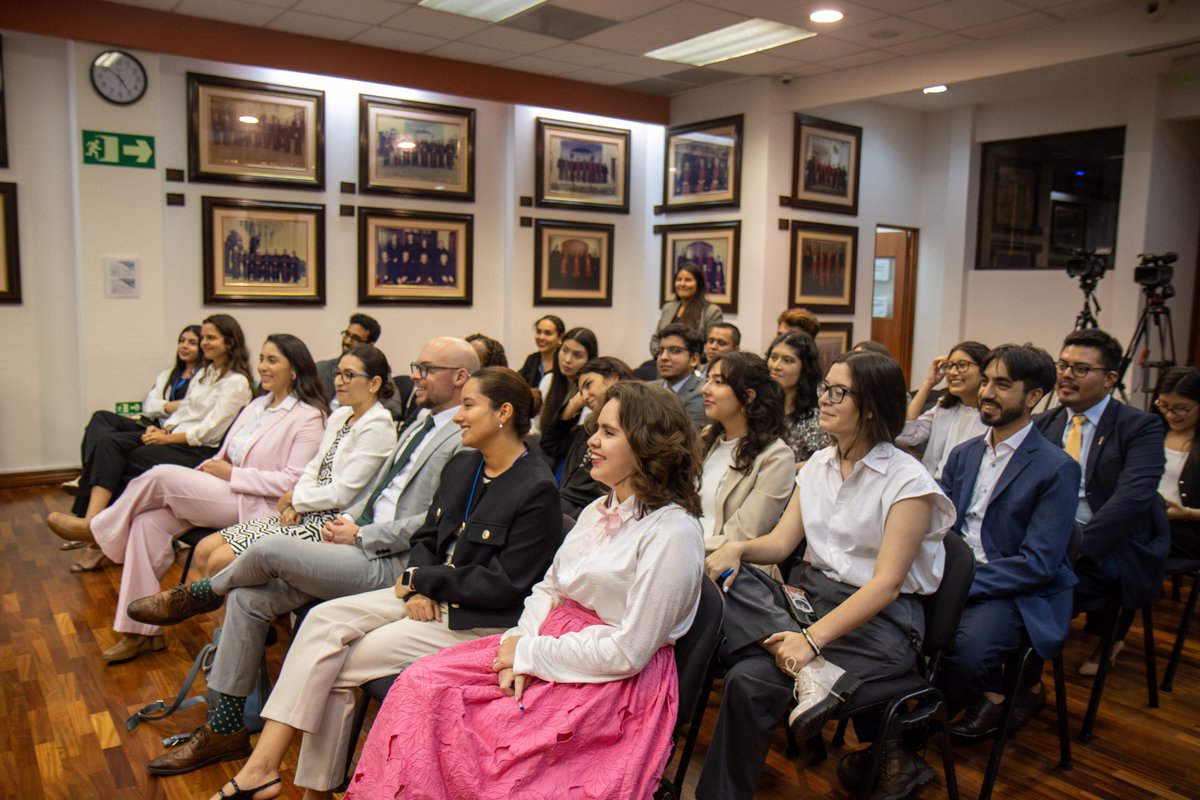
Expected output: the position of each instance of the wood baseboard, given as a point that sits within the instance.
(45, 477)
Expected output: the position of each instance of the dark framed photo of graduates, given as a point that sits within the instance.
(263, 252)
(414, 257)
(582, 167)
(573, 263)
(711, 246)
(703, 165)
(248, 132)
(416, 149)
(840, 333)
(825, 165)
(821, 276)
(10, 248)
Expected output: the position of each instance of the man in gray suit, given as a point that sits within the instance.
(365, 548)
(679, 350)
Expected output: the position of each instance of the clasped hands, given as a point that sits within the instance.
(511, 683)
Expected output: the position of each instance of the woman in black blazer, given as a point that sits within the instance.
(1179, 403)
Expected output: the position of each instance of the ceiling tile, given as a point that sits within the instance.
(274, 3)
(758, 64)
(512, 40)
(157, 5)
(315, 25)
(1005, 27)
(541, 66)
(398, 40)
(886, 32)
(791, 13)
(896, 6)
(955, 14)
(816, 49)
(685, 20)
(603, 77)
(581, 55)
(630, 37)
(939, 42)
(1087, 8)
(861, 59)
(656, 86)
(637, 65)
(372, 12)
(472, 53)
(229, 11)
(435, 23)
(704, 76)
(621, 10)
(562, 23)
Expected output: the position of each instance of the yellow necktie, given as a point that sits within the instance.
(1075, 436)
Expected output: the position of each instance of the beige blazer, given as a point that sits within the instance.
(749, 505)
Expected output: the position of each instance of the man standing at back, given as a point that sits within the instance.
(1125, 532)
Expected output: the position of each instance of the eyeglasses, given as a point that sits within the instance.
(956, 366)
(673, 350)
(423, 370)
(349, 375)
(354, 338)
(1175, 411)
(836, 393)
(1077, 370)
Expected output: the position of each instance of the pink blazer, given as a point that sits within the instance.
(275, 458)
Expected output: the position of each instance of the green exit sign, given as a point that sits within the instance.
(132, 407)
(118, 149)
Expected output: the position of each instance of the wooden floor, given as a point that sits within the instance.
(62, 710)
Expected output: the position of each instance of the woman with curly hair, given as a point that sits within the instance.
(796, 367)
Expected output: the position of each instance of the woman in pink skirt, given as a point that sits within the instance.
(579, 699)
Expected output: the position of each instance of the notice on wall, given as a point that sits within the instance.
(121, 277)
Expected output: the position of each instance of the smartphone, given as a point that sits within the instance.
(799, 606)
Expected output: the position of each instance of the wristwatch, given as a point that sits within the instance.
(406, 578)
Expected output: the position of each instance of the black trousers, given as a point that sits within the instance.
(102, 424)
(121, 457)
(1185, 539)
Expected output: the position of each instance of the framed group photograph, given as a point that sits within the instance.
(825, 165)
(711, 246)
(414, 257)
(263, 252)
(703, 165)
(248, 132)
(573, 263)
(582, 167)
(822, 272)
(10, 248)
(416, 149)
(839, 335)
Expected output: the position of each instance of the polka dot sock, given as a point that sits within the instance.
(202, 589)
(226, 716)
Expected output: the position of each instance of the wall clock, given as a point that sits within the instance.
(118, 77)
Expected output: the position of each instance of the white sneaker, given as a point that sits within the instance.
(821, 688)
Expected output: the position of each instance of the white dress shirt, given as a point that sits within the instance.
(1083, 512)
(991, 467)
(211, 404)
(1168, 487)
(385, 506)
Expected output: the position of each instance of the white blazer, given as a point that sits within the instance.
(362, 450)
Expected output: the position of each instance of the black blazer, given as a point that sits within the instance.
(1124, 466)
(567, 439)
(514, 529)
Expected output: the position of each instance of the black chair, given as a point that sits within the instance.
(189, 541)
(1181, 568)
(943, 609)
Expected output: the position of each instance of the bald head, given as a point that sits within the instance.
(450, 362)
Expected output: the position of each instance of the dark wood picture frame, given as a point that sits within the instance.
(715, 247)
(10, 246)
(826, 165)
(582, 167)
(415, 257)
(3, 114)
(572, 263)
(841, 333)
(263, 253)
(416, 149)
(823, 271)
(225, 146)
(702, 166)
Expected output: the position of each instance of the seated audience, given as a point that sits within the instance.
(954, 418)
(679, 350)
(867, 346)
(722, 337)
(690, 307)
(1179, 403)
(263, 455)
(548, 333)
(559, 387)
(358, 438)
(1014, 493)
(566, 438)
(749, 471)
(873, 520)
(587, 675)
(490, 352)
(797, 320)
(1125, 532)
(190, 435)
(792, 359)
(488, 537)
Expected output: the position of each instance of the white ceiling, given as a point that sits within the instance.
(601, 41)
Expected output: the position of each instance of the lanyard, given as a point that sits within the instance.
(475, 485)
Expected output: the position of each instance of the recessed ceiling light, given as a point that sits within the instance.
(934, 89)
(742, 39)
(826, 15)
(487, 10)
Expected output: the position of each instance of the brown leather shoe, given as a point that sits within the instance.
(900, 773)
(167, 608)
(981, 719)
(204, 748)
(69, 527)
(132, 645)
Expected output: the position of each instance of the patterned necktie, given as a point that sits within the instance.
(368, 513)
(1074, 445)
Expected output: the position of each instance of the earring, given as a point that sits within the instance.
(501, 426)
(293, 377)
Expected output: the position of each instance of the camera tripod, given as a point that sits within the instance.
(1085, 319)
(1157, 315)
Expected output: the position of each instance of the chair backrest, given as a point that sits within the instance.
(944, 607)
(694, 651)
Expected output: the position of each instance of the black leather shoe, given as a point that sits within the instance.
(1028, 706)
(899, 775)
(982, 719)
(203, 748)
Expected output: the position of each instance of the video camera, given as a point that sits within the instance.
(1154, 273)
(1089, 266)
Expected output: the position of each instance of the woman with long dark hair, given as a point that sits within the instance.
(689, 307)
(1179, 403)
(795, 366)
(547, 336)
(954, 418)
(191, 434)
(560, 389)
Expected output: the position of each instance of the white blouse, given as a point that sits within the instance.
(941, 429)
(359, 456)
(643, 581)
(257, 413)
(211, 404)
(716, 467)
(1168, 486)
(844, 520)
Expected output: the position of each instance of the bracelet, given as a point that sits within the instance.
(808, 638)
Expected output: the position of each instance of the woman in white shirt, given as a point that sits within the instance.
(360, 435)
(748, 469)
(874, 521)
(954, 418)
(559, 389)
(192, 433)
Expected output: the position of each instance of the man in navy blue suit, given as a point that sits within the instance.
(1015, 497)
(1125, 531)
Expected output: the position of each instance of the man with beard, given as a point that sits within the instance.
(1014, 492)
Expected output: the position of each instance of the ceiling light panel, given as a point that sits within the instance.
(487, 10)
(742, 39)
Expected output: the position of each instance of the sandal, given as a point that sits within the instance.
(244, 794)
(93, 560)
